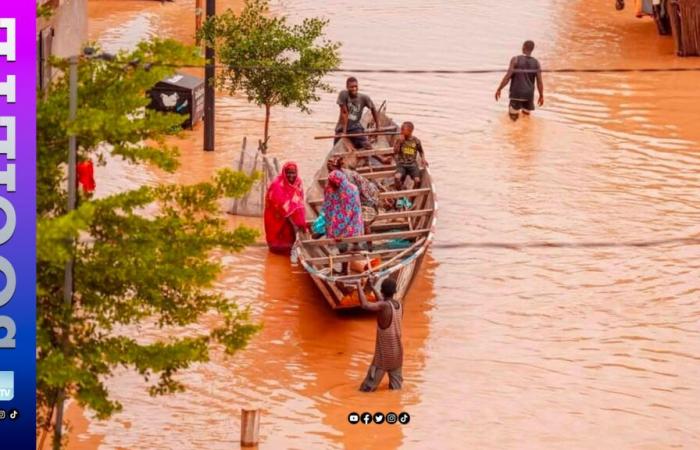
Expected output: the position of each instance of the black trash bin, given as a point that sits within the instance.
(182, 94)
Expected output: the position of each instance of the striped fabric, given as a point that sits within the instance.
(388, 351)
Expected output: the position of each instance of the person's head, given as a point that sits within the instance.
(352, 86)
(290, 172)
(334, 163)
(335, 178)
(528, 47)
(407, 129)
(388, 288)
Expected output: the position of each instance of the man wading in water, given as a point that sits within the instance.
(524, 70)
(388, 351)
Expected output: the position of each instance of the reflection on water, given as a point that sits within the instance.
(526, 347)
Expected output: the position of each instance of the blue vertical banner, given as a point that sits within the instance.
(18, 224)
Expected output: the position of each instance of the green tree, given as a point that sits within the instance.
(271, 60)
(140, 256)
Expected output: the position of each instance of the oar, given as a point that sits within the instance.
(385, 131)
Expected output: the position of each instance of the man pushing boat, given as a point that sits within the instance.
(352, 103)
(388, 350)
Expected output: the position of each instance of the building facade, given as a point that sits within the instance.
(61, 35)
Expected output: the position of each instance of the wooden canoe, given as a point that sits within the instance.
(400, 238)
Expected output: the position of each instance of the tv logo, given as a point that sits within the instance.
(7, 386)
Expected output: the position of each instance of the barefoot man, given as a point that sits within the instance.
(522, 74)
(388, 350)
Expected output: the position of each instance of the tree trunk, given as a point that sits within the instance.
(58, 427)
(267, 126)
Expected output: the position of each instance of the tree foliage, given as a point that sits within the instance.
(272, 61)
(141, 256)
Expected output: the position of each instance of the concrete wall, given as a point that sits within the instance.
(70, 28)
(61, 35)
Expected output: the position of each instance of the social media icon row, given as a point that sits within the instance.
(12, 414)
(379, 418)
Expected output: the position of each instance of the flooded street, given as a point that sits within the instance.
(587, 342)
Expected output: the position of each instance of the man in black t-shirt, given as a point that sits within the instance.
(523, 73)
(352, 104)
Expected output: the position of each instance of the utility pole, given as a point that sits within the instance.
(72, 194)
(198, 13)
(209, 74)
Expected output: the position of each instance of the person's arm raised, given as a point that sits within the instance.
(372, 282)
(363, 299)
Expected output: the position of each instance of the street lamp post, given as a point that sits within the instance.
(72, 190)
(209, 74)
(72, 196)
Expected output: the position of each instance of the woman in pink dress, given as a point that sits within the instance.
(284, 210)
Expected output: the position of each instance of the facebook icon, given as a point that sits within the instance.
(7, 386)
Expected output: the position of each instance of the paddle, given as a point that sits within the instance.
(384, 131)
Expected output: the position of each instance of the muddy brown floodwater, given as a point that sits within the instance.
(506, 347)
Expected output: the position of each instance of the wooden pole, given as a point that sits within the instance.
(198, 13)
(72, 200)
(234, 209)
(384, 131)
(263, 186)
(209, 92)
(351, 135)
(250, 427)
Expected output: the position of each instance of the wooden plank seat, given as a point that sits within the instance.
(394, 215)
(368, 175)
(380, 168)
(365, 153)
(401, 254)
(347, 257)
(383, 227)
(374, 237)
(389, 194)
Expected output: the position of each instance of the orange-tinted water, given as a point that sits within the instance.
(528, 347)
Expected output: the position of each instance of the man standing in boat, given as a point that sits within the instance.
(388, 350)
(523, 73)
(352, 105)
